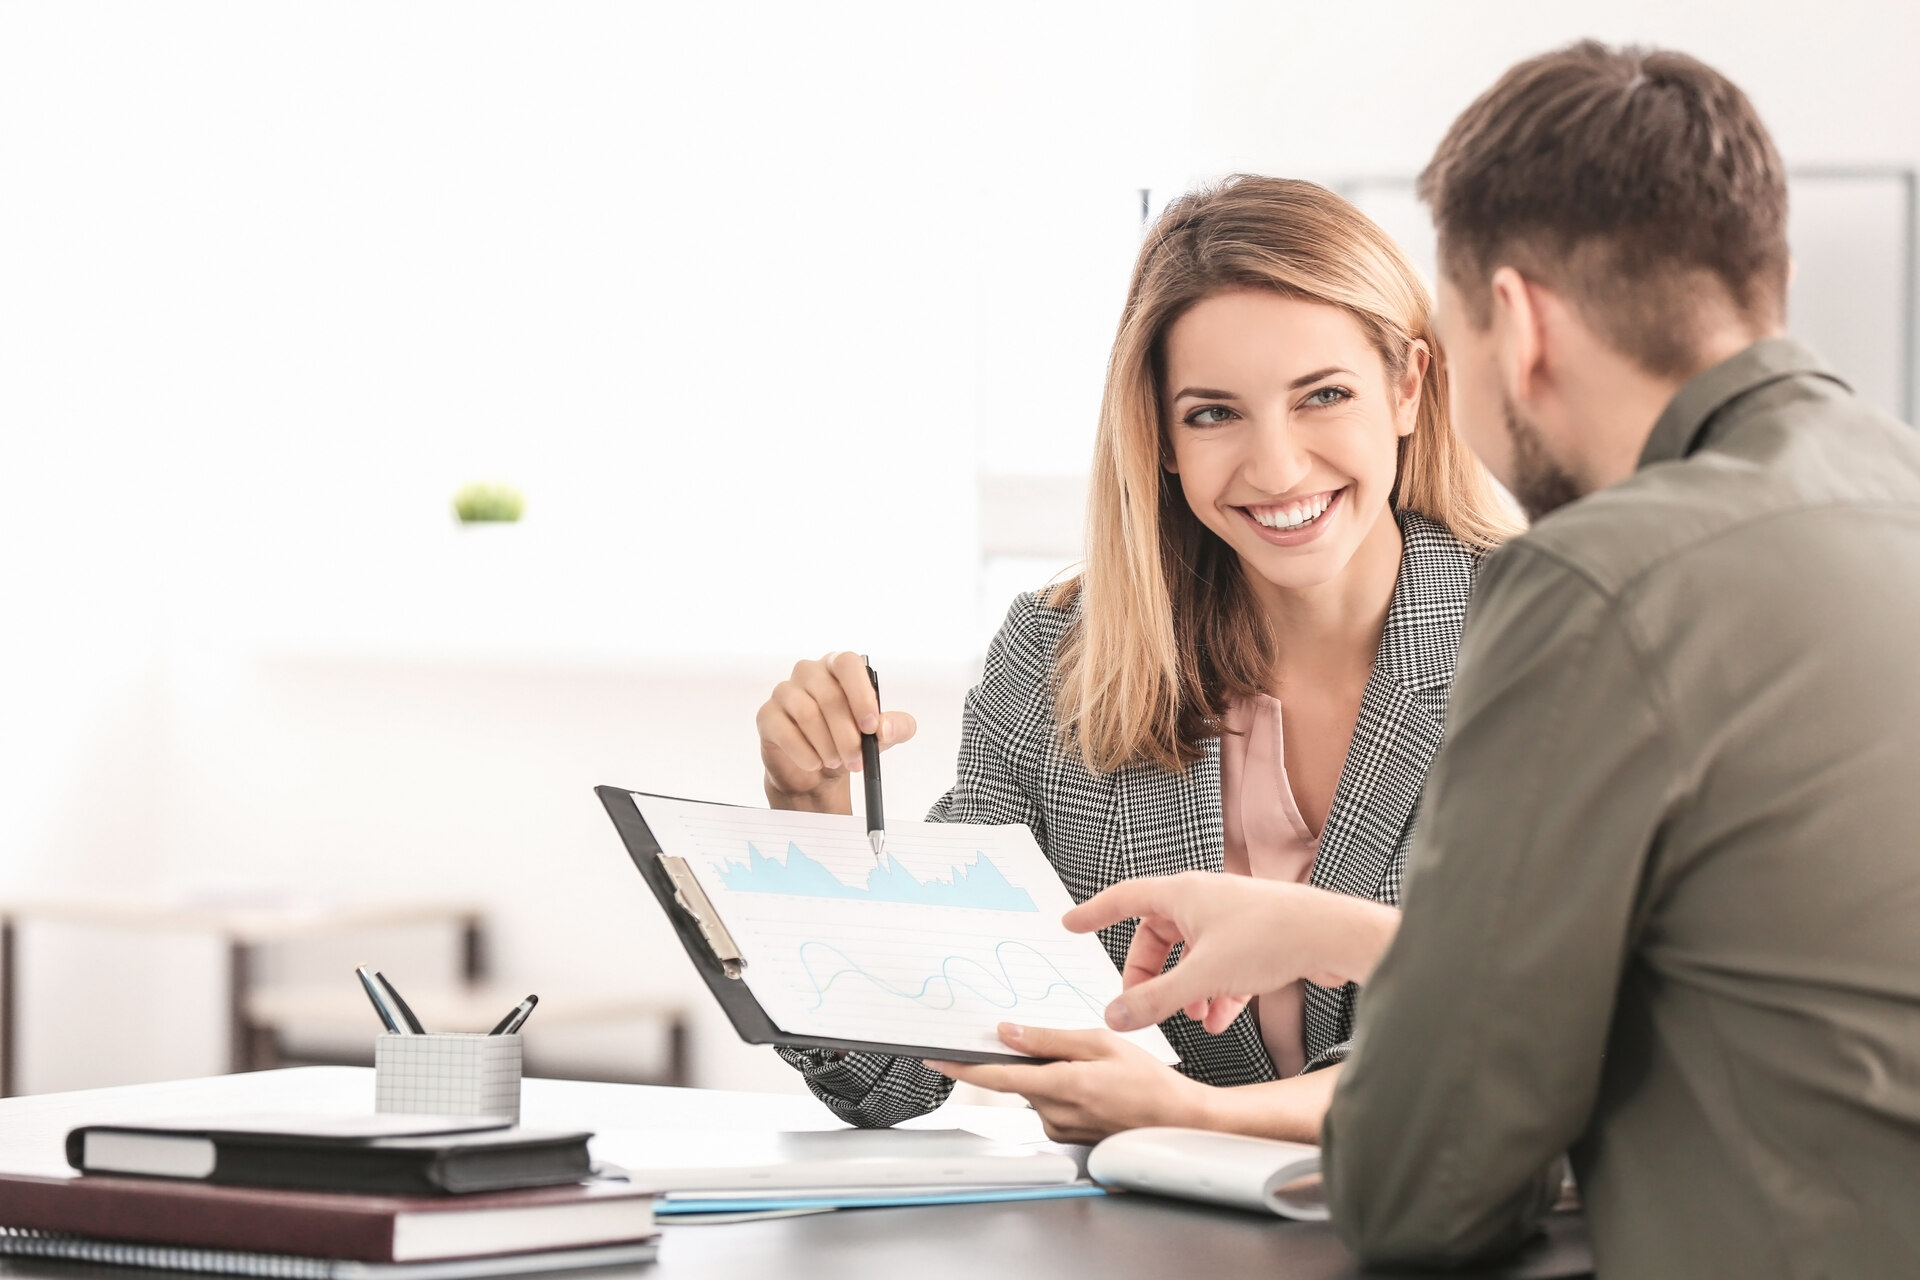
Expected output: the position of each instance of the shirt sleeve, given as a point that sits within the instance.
(1480, 1039)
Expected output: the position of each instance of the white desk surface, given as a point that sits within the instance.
(1115, 1237)
(33, 1128)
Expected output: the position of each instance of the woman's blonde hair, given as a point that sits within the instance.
(1169, 632)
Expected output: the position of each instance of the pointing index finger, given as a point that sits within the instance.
(1130, 898)
(1153, 943)
(1156, 999)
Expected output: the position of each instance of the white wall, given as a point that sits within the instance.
(715, 285)
(1313, 88)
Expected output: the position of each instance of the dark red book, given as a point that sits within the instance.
(327, 1224)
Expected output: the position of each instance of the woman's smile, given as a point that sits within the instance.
(1294, 521)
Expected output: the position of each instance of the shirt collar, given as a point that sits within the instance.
(1684, 423)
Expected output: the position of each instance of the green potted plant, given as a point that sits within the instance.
(485, 503)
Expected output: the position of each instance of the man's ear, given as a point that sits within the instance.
(1519, 344)
(1407, 410)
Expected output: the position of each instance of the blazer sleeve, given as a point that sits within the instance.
(874, 1090)
(1481, 1037)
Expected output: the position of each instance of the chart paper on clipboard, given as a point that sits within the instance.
(956, 931)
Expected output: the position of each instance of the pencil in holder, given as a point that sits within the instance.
(448, 1074)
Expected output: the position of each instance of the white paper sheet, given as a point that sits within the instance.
(776, 1163)
(957, 932)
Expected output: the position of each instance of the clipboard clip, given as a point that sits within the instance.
(688, 893)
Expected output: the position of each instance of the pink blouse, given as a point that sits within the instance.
(1266, 837)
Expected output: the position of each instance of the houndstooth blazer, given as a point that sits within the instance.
(1099, 829)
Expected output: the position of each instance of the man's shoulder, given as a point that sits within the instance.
(1612, 538)
(1775, 479)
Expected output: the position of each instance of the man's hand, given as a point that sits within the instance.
(1098, 1085)
(1241, 936)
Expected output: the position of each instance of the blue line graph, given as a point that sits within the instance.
(1003, 991)
(978, 884)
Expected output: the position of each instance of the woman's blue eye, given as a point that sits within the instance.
(1211, 416)
(1330, 395)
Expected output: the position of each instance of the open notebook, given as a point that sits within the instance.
(1217, 1168)
(955, 931)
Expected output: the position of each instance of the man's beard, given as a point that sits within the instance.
(1540, 484)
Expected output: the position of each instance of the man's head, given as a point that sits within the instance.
(1610, 223)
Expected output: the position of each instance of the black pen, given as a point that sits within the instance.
(379, 1002)
(516, 1017)
(400, 1005)
(513, 1028)
(870, 766)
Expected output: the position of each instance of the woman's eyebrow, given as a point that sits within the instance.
(1212, 393)
(1316, 375)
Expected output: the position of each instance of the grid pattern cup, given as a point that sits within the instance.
(448, 1074)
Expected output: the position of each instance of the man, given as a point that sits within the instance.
(1664, 903)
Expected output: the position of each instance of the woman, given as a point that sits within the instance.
(1280, 517)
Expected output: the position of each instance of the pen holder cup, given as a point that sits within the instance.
(455, 1074)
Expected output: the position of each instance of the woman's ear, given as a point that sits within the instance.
(1406, 410)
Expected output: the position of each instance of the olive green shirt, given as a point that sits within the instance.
(1663, 907)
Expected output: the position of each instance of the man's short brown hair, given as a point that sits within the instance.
(1627, 179)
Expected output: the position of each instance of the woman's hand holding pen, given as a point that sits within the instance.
(810, 732)
(1240, 936)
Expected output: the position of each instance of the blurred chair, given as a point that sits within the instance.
(291, 998)
(246, 932)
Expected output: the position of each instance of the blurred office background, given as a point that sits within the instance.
(788, 321)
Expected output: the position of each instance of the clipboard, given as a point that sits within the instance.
(711, 948)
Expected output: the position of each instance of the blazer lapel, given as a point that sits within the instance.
(1378, 790)
(1398, 731)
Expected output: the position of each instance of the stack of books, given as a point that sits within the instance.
(329, 1198)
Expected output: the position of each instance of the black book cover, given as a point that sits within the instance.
(326, 1159)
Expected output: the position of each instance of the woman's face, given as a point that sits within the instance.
(1284, 430)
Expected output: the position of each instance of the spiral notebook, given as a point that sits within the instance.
(280, 1266)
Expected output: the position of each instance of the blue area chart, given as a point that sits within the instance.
(978, 884)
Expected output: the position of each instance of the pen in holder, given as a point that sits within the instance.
(448, 1074)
